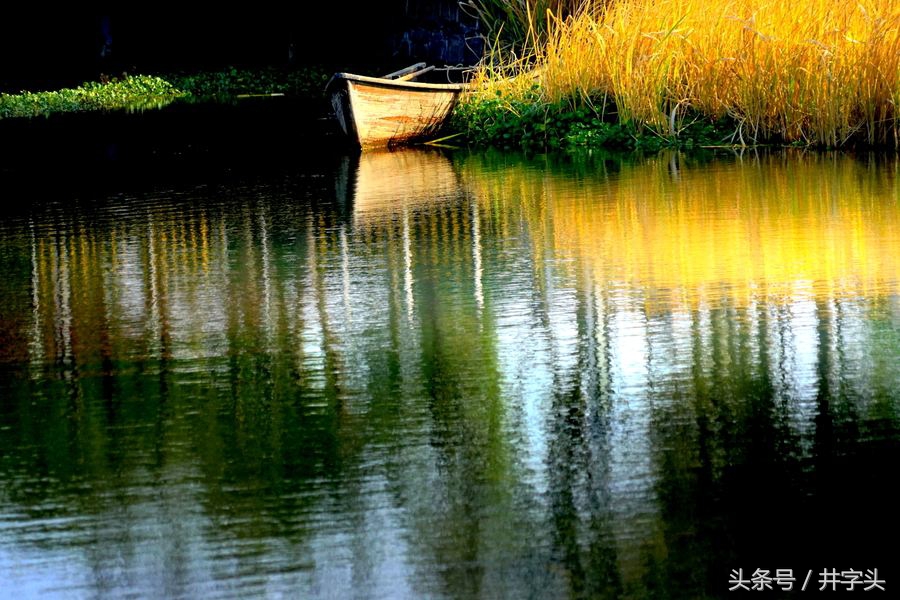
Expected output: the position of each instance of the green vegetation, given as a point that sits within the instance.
(306, 82)
(130, 92)
(533, 125)
(136, 92)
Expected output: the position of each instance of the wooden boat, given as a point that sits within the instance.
(394, 109)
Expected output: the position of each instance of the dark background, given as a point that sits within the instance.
(47, 51)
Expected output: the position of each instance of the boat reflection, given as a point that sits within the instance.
(416, 195)
(389, 183)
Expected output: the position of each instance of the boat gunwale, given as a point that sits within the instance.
(416, 86)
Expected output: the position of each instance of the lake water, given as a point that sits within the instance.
(244, 373)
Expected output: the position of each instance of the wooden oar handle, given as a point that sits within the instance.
(415, 74)
(404, 71)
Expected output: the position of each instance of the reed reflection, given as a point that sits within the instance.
(706, 318)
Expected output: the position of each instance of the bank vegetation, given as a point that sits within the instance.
(820, 73)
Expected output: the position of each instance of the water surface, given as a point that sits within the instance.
(420, 374)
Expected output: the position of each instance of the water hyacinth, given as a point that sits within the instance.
(130, 92)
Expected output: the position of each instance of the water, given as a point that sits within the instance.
(422, 374)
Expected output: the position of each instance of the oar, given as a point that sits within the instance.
(415, 74)
(443, 139)
(273, 95)
(404, 71)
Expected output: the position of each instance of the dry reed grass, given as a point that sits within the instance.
(817, 72)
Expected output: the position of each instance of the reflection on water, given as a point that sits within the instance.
(471, 375)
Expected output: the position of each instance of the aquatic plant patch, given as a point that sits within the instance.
(129, 92)
(305, 82)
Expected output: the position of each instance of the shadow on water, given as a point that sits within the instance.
(235, 364)
(178, 144)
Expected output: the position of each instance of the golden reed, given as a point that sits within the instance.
(818, 72)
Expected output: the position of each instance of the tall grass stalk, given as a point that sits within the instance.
(818, 72)
(519, 23)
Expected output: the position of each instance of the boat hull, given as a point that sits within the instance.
(378, 112)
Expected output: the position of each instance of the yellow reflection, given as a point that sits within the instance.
(389, 182)
(763, 227)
